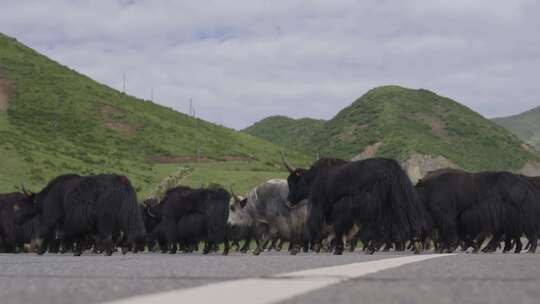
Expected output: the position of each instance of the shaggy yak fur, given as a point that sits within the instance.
(468, 207)
(13, 234)
(374, 194)
(189, 215)
(73, 208)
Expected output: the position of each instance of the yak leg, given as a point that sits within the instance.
(171, 234)
(387, 246)
(534, 244)
(47, 233)
(260, 246)
(519, 245)
(340, 230)
(353, 244)
(493, 243)
(273, 244)
(305, 246)
(246, 245)
(105, 229)
(226, 247)
(279, 246)
(477, 245)
(508, 245)
(262, 236)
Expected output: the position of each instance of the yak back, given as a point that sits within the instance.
(338, 181)
(180, 201)
(268, 200)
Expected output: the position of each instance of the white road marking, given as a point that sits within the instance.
(276, 288)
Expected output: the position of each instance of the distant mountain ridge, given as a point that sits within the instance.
(393, 121)
(525, 125)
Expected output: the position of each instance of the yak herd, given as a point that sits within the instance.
(331, 206)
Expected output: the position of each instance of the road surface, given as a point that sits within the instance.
(270, 278)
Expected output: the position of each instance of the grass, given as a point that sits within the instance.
(60, 121)
(405, 121)
(240, 176)
(525, 125)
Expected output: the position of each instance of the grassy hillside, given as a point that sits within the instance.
(402, 121)
(54, 120)
(288, 132)
(525, 125)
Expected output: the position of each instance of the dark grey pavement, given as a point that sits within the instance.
(464, 278)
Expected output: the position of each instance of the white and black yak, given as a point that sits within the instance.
(268, 213)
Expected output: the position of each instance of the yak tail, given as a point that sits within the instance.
(130, 213)
(409, 216)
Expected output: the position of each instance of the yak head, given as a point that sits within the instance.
(238, 215)
(301, 180)
(151, 213)
(26, 207)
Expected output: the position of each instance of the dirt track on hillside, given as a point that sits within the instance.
(5, 91)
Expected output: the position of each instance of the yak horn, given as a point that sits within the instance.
(25, 192)
(287, 164)
(236, 198)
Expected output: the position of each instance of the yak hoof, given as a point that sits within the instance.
(125, 250)
(338, 252)
(417, 247)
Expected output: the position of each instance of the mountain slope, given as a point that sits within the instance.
(525, 125)
(397, 122)
(54, 120)
(286, 131)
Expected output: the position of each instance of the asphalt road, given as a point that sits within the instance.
(461, 278)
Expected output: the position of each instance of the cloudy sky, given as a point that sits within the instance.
(243, 60)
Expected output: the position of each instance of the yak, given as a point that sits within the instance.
(268, 213)
(13, 234)
(374, 194)
(76, 207)
(207, 206)
(467, 206)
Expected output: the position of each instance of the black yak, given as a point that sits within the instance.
(14, 234)
(467, 206)
(212, 206)
(374, 194)
(76, 207)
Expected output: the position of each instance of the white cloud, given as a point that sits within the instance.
(241, 61)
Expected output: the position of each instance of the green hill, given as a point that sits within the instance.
(397, 122)
(54, 120)
(525, 125)
(287, 132)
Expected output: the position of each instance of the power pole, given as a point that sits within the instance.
(152, 94)
(124, 87)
